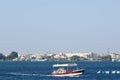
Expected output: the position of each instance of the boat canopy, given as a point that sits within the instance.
(64, 65)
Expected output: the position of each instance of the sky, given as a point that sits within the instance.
(42, 26)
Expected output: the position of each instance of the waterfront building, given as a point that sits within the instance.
(115, 57)
(80, 54)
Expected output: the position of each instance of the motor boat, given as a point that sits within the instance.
(67, 70)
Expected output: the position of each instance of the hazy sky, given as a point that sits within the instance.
(40, 26)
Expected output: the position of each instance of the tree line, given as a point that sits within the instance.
(11, 56)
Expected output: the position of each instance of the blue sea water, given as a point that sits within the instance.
(43, 70)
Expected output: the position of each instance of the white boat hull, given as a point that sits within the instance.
(68, 75)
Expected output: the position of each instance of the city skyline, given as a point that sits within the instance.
(59, 26)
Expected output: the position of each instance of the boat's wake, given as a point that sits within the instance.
(26, 74)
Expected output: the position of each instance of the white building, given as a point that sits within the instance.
(60, 56)
(80, 54)
(115, 57)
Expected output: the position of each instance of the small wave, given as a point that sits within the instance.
(108, 72)
(85, 75)
(25, 74)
